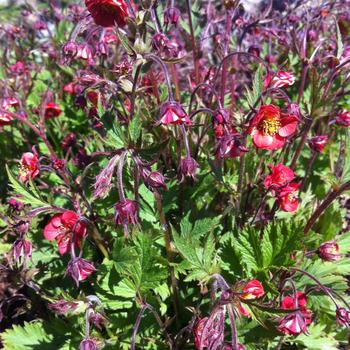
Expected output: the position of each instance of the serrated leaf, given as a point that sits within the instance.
(26, 337)
(135, 128)
(27, 196)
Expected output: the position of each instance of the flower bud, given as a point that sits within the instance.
(188, 168)
(343, 317)
(155, 180)
(329, 251)
(22, 249)
(126, 212)
(318, 143)
(63, 307)
(79, 269)
(159, 41)
(172, 15)
(88, 344)
(70, 49)
(343, 118)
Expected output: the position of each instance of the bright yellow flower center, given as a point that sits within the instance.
(270, 126)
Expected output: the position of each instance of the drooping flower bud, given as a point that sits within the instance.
(159, 41)
(63, 307)
(80, 269)
(318, 143)
(88, 344)
(293, 324)
(343, 118)
(70, 49)
(172, 112)
(126, 213)
(188, 168)
(172, 15)
(343, 317)
(22, 249)
(97, 319)
(329, 251)
(155, 180)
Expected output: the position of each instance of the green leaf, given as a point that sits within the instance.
(135, 128)
(28, 195)
(30, 336)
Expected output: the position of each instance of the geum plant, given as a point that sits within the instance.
(177, 175)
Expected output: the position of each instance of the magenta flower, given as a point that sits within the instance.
(28, 167)
(173, 113)
(329, 251)
(61, 228)
(318, 143)
(80, 269)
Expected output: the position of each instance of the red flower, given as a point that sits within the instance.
(296, 322)
(293, 324)
(343, 118)
(280, 176)
(173, 113)
(329, 251)
(52, 110)
(318, 143)
(288, 301)
(269, 130)
(288, 197)
(253, 290)
(28, 167)
(61, 227)
(280, 80)
(107, 13)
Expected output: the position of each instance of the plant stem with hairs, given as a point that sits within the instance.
(194, 43)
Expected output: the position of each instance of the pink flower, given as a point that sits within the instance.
(126, 212)
(52, 110)
(280, 176)
(296, 322)
(253, 290)
(107, 13)
(343, 118)
(28, 167)
(187, 168)
(269, 130)
(318, 143)
(288, 197)
(61, 227)
(280, 80)
(293, 324)
(173, 113)
(80, 269)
